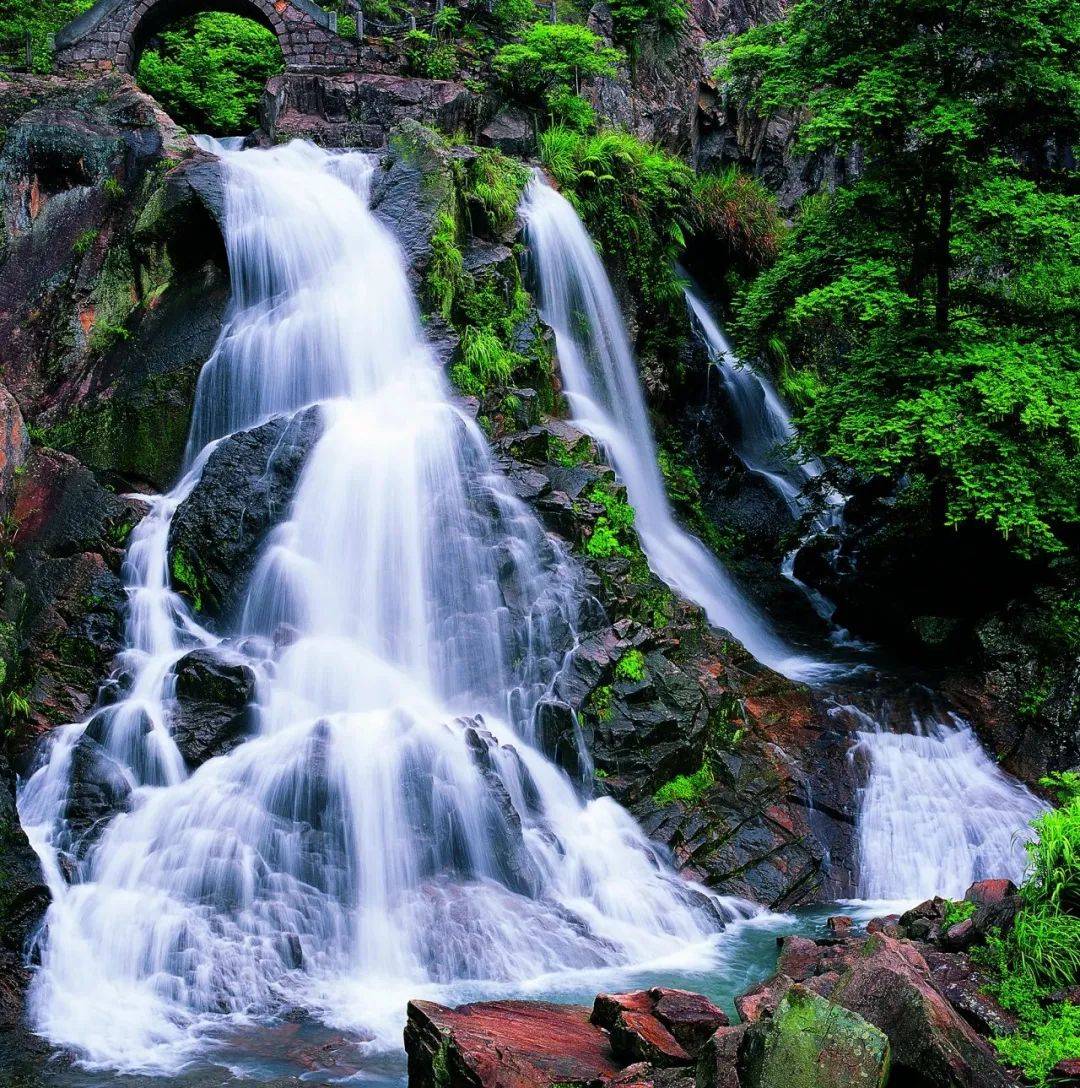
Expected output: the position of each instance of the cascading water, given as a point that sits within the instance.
(763, 439)
(936, 812)
(373, 838)
(601, 382)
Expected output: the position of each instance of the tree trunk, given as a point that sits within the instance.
(942, 257)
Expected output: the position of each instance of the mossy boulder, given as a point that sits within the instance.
(811, 1043)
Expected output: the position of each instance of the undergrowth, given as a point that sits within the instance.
(1040, 955)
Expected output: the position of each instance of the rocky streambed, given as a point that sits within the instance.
(901, 1003)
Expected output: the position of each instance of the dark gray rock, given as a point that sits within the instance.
(100, 789)
(245, 490)
(213, 711)
(511, 132)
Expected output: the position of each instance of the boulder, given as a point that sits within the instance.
(505, 1044)
(718, 1060)
(213, 705)
(245, 490)
(637, 1034)
(810, 1042)
(100, 789)
(510, 131)
(890, 985)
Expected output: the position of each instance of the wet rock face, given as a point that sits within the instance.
(213, 712)
(63, 602)
(23, 899)
(354, 109)
(245, 490)
(114, 285)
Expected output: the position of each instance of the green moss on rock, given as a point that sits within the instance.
(812, 1043)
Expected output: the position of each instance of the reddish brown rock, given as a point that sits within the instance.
(890, 986)
(1066, 1072)
(505, 1044)
(763, 999)
(637, 1035)
(717, 1064)
(840, 925)
(690, 1017)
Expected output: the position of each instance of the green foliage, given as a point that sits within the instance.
(429, 57)
(636, 201)
(105, 335)
(1041, 954)
(446, 270)
(932, 303)
(545, 68)
(209, 71)
(630, 17)
(485, 362)
(686, 788)
(956, 911)
(496, 182)
(84, 241)
(631, 667)
(737, 211)
(613, 534)
(42, 21)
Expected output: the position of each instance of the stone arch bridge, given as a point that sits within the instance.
(113, 33)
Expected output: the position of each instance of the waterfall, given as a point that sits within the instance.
(936, 812)
(764, 434)
(601, 382)
(389, 829)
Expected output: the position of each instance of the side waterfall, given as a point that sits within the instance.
(765, 432)
(601, 381)
(390, 827)
(936, 812)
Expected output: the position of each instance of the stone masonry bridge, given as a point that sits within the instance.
(113, 33)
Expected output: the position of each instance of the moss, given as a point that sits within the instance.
(138, 433)
(84, 241)
(613, 534)
(686, 788)
(631, 667)
(599, 703)
(185, 577)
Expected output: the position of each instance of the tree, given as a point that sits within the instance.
(930, 307)
(544, 70)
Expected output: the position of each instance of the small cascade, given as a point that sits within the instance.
(389, 829)
(936, 813)
(763, 440)
(601, 381)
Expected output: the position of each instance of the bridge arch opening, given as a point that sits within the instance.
(206, 63)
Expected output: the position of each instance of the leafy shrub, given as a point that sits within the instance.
(428, 57)
(545, 68)
(739, 212)
(208, 71)
(630, 17)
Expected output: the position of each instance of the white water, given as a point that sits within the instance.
(936, 812)
(601, 382)
(365, 845)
